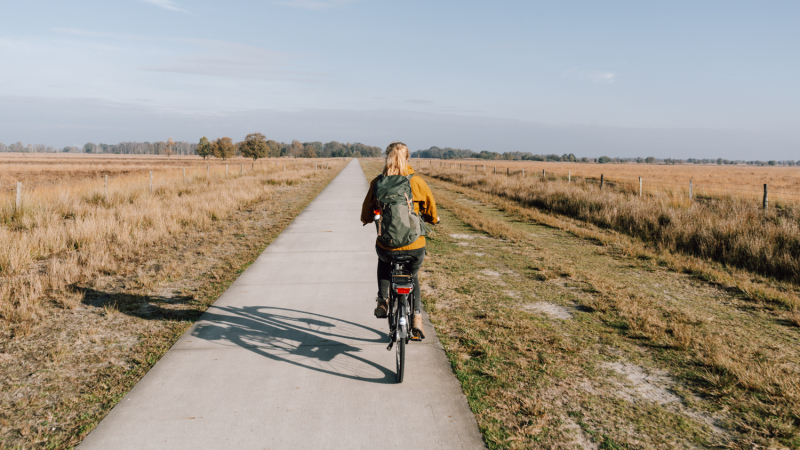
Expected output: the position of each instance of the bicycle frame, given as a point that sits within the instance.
(401, 288)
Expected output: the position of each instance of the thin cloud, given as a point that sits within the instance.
(193, 56)
(316, 4)
(233, 60)
(593, 76)
(78, 32)
(166, 4)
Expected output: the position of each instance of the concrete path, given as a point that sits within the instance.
(291, 357)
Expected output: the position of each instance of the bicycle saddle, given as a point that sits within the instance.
(400, 259)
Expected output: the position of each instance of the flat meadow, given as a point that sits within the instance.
(99, 208)
(714, 181)
(69, 169)
(730, 226)
(103, 266)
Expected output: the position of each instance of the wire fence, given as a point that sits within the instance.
(690, 189)
(15, 195)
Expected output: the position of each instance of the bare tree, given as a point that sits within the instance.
(169, 148)
(296, 149)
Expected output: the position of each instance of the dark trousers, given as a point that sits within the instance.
(385, 272)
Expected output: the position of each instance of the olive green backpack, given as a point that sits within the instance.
(397, 223)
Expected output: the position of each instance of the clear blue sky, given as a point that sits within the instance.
(623, 78)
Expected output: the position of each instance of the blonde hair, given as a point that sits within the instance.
(396, 158)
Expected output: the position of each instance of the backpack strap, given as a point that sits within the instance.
(410, 201)
(375, 186)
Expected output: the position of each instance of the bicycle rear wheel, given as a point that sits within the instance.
(400, 350)
(400, 356)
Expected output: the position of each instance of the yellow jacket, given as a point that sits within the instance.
(424, 206)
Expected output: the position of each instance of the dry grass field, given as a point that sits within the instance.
(96, 284)
(720, 181)
(732, 231)
(72, 226)
(565, 334)
(58, 170)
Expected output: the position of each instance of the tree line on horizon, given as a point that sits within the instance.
(457, 153)
(255, 145)
(123, 148)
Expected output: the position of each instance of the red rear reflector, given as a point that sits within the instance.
(402, 290)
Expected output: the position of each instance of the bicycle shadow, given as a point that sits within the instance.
(304, 339)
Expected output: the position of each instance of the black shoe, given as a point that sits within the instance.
(382, 310)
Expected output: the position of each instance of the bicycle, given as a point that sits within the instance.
(402, 288)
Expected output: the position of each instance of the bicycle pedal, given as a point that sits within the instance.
(416, 338)
(389, 347)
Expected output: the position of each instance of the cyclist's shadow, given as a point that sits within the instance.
(300, 338)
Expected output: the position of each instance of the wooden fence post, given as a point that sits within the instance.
(640, 186)
(484, 168)
(523, 173)
(151, 181)
(184, 175)
(18, 204)
(208, 170)
(226, 170)
(508, 171)
(569, 177)
(105, 185)
(495, 170)
(601, 181)
(766, 197)
(543, 174)
(690, 189)
(241, 169)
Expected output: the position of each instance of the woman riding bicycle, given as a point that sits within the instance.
(397, 157)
